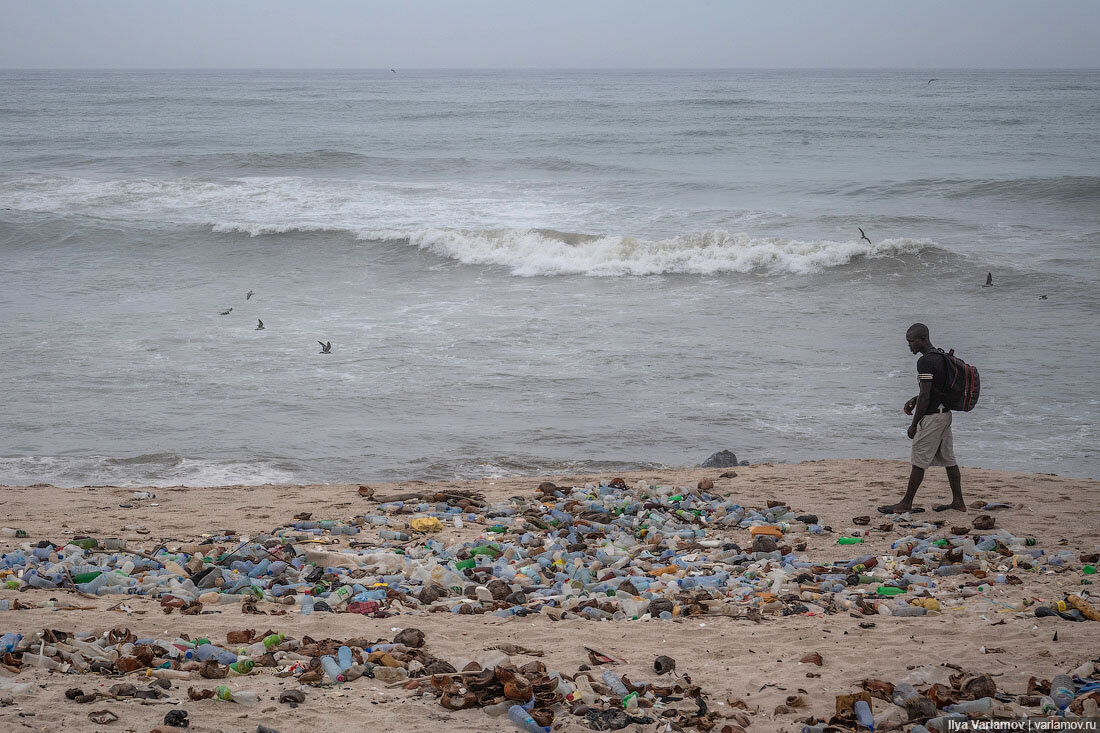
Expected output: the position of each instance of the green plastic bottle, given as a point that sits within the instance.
(87, 543)
(850, 541)
(87, 577)
(243, 666)
(1089, 570)
(464, 564)
(889, 590)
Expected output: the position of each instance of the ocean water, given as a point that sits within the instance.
(526, 272)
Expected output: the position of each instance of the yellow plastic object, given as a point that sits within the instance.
(426, 524)
(766, 529)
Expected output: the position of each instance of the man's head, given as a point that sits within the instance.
(918, 338)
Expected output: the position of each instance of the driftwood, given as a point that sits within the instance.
(474, 497)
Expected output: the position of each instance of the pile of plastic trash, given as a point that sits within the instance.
(528, 693)
(966, 696)
(598, 551)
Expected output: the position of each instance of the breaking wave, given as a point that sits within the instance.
(475, 226)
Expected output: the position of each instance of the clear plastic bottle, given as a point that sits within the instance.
(904, 692)
(612, 680)
(863, 714)
(332, 669)
(525, 722)
(1062, 691)
(981, 706)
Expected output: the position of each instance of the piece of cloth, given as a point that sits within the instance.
(932, 445)
(932, 367)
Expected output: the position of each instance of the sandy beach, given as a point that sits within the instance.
(754, 660)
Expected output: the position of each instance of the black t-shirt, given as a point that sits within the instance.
(932, 367)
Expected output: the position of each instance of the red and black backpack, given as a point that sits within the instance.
(963, 383)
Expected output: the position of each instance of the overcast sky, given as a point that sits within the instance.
(549, 33)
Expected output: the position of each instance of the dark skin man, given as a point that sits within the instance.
(920, 343)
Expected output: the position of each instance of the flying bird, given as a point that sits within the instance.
(862, 235)
(248, 295)
(394, 70)
(931, 80)
(260, 325)
(226, 312)
(326, 347)
(1042, 297)
(988, 280)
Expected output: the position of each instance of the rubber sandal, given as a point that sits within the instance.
(945, 507)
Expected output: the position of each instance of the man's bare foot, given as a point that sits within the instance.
(953, 507)
(899, 508)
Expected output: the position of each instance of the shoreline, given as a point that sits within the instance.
(756, 660)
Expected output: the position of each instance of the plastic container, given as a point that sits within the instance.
(612, 680)
(525, 722)
(863, 714)
(1061, 691)
(332, 669)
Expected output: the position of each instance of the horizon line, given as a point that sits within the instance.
(551, 68)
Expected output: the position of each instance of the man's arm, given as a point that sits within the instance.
(923, 399)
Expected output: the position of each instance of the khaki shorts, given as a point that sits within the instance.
(932, 445)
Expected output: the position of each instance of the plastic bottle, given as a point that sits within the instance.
(344, 658)
(904, 692)
(9, 642)
(981, 706)
(332, 669)
(389, 534)
(242, 697)
(241, 667)
(525, 722)
(307, 605)
(1061, 691)
(612, 680)
(339, 596)
(850, 541)
(863, 714)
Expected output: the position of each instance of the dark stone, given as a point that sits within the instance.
(177, 719)
(499, 589)
(411, 637)
(807, 518)
(764, 543)
(658, 606)
(721, 459)
(432, 593)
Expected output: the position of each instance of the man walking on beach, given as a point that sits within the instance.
(931, 426)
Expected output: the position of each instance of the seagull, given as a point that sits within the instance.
(394, 70)
(931, 80)
(862, 235)
(260, 325)
(226, 312)
(988, 280)
(1042, 297)
(326, 347)
(248, 295)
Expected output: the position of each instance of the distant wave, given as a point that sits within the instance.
(1055, 189)
(547, 252)
(155, 470)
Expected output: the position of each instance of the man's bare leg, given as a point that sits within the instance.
(906, 504)
(954, 477)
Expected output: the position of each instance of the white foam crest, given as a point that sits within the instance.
(280, 204)
(536, 252)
